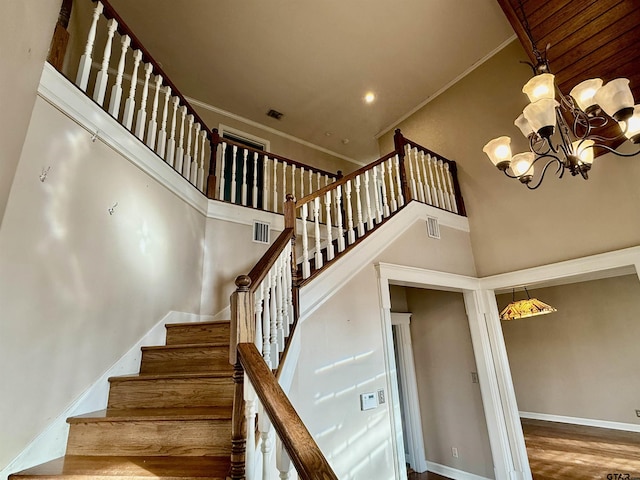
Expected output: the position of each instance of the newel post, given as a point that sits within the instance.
(399, 143)
(214, 140)
(60, 39)
(242, 331)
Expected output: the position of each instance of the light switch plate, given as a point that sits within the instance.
(368, 401)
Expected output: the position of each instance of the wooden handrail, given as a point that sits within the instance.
(344, 179)
(278, 157)
(426, 150)
(303, 451)
(110, 12)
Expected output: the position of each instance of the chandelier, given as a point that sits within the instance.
(529, 307)
(575, 118)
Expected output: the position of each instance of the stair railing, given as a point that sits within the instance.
(359, 202)
(156, 112)
(263, 316)
(259, 179)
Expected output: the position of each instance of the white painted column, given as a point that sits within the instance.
(162, 134)
(223, 158)
(116, 90)
(359, 207)
(234, 163)
(351, 234)
(306, 266)
(341, 245)
(130, 104)
(186, 166)
(171, 144)
(254, 190)
(141, 119)
(327, 206)
(103, 75)
(84, 69)
(195, 166)
(180, 149)
(153, 124)
(316, 218)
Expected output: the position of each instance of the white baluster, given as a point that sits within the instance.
(275, 186)
(259, 300)
(392, 193)
(288, 265)
(293, 179)
(223, 158)
(273, 338)
(399, 181)
(254, 190)
(130, 104)
(141, 119)
(427, 187)
(376, 195)
(341, 245)
(153, 124)
(301, 181)
(116, 90)
(234, 163)
(316, 218)
(434, 188)
(186, 166)
(264, 426)
(193, 178)
(162, 134)
(367, 193)
(310, 182)
(306, 266)
(420, 185)
(171, 144)
(266, 321)
(283, 463)
(265, 183)
(84, 69)
(180, 149)
(243, 192)
(412, 179)
(359, 207)
(203, 138)
(327, 205)
(385, 200)
(284, 183)
(438, 183)
(452, 194)
(351, 234)
(318, 179)
(103, 75)
(250, 410)
(445, 192)
(279, 306)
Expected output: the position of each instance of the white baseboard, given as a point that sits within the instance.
(453, 473)
(51, 443)
(588, 422)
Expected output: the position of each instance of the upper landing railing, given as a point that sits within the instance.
(134, 89)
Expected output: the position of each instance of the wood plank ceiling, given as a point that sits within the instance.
(588, 38)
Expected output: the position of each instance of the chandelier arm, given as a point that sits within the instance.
(614, 151)
(553, 160)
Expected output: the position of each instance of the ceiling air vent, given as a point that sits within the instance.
(275, 114)
(433, 227)
(261, 232)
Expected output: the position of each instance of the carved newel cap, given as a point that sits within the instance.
(243, 282)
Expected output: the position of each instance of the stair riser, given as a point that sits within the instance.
(153, 438)
(164, 393)
(197, 333)
(185, 360)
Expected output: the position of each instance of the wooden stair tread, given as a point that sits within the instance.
(153, 414)
(144, 467)
(195, 324)
(167, 376)
(185, 346)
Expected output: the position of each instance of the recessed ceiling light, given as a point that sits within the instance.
(369, 97)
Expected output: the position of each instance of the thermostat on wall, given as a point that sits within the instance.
(368, 401)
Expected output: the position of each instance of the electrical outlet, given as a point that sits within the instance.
(637, 413)
(474, 377)
(454, 452)
(381, 398)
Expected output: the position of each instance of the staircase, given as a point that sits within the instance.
(170, 421)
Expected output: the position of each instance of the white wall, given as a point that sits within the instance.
(343, 356)
(26, 27)
(79, 286)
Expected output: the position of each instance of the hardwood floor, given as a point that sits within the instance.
(560, 451)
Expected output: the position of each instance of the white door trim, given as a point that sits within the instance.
(411, 402)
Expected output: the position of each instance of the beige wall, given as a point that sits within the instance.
(79, 287)
(450, 403)
(580, 361)
(511, 227)
(25, 34)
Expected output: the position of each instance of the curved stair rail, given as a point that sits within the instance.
(361, 201)
(263, 317)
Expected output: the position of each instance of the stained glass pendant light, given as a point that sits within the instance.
(529, 307)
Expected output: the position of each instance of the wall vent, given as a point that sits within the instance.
(433, 227)
(275, 114)
(261, 232)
